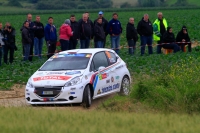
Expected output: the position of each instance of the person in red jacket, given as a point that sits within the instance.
(64, 34)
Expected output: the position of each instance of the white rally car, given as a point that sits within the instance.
(78, 76)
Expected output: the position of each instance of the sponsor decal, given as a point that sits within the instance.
(118, 67)
(99, 92)
(112, 79)
(107, 81)
(54, 73)
(73, 89)
(72, 92)
(73, 73)
(110, 88)
(103, 76)
(51, 78)
(27, 93)
(117, 77)
(95, 81)
(86, 77)
(27, 90)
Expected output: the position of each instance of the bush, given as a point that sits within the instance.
(14, 3)
(125, 5)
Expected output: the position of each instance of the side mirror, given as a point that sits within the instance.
(101, 68)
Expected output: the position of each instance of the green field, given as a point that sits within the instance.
(29, 120)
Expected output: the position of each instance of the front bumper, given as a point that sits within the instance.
(67, 95)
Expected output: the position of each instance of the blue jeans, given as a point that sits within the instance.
(115, 43)
(26, 51)
(85, 43)
(131, 45)
(64, 44)
(99, 44)
(38, 43)
(146, 40)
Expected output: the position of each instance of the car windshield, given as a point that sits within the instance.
(60, 62)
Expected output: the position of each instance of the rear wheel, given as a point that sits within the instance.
(87, 97)
(125, 86)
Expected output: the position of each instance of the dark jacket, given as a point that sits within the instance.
(131, 32)
(75, 29)
(180, 36)
(26, 37)
(168, 37)
(38, 30)
(145, 28)
(99, 34)
(86, 29)
(31, 29)
(50, 33)
(104, 24)
(10, 38)
(114, 27)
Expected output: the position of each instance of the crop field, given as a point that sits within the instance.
(161, 83)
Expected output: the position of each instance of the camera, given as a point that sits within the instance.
(9, 27)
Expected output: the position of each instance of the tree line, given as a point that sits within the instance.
(91, 4)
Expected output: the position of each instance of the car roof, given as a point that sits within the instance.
(89, 50)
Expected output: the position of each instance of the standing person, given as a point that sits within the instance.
(75, 29)
(31, 31)
(86, 31)
(159, 27)
(169, 38)
(145, 30)
(1, 42)
(50, 37)
(184, 38)
(114, 29)
(26, 40)
(99, 34)
(104, 24)
(131, 36)
(65, 34)
(38, 37)
(9, 41)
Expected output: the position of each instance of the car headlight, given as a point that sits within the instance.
(74, 81)
(29, 84)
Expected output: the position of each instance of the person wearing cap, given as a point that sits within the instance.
(183, 39)
(50, 37)
(159, 28)
(75, 29)
(114, 29)
(65, 33)
(38, 37)
(104, 24)
(86, 29)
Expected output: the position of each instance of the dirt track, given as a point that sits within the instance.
(15, 98)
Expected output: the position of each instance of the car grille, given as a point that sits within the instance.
(48, 92)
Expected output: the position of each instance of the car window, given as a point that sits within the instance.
(111, 57)
(99, 60)
(61, 62)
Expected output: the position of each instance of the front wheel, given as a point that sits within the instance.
(125, 86)
(87, 97)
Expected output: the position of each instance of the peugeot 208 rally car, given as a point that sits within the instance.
(78, 76)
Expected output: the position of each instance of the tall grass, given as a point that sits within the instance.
(39, 120)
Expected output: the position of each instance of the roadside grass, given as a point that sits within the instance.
(32, 120)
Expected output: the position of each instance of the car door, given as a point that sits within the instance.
(114, 71)
(101, 80)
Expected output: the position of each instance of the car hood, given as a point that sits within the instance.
(54, 78)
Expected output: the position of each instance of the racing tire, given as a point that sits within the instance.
(125, 86)
(87, 100)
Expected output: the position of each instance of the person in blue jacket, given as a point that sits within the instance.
(114, 29)
(50, 37)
